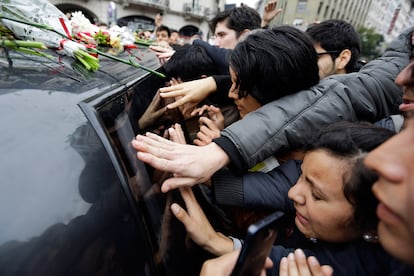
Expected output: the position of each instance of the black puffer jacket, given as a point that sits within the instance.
(370, 95)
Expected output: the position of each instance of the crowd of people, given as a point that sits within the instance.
(291, 121)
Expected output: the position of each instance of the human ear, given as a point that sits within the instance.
(243, 34)
(343, 59)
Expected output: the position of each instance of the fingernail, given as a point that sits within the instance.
(291, 257)
(313, 261)
(283, 261)
(164, 188)
(175, 208)
(299, 253)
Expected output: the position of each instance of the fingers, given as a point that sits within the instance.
(199, 111)
(206, 122)
(179, 213)
(296, 264)
(283, 267)
(154, 150)
(177, 182)
(203, 137)
(152, 143)
(271, 5)
(220, 266)
(200, 142)
(190, 200)
(317, 269)
(267, 265)
(177, 134)
(299, 261)
(183, 100)
(172, 91)
(214, 109)
(162, 49)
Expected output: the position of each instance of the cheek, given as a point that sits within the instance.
(397, 241)
(325, 66)
(332, 224)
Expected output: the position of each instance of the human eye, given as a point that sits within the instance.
(316, 197)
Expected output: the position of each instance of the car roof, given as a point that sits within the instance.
(62, 73)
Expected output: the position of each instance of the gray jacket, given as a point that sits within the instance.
(369, 94)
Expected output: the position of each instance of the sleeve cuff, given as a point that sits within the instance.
(227, 188)
(237, 164)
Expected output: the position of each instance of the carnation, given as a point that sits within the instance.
(81, 24)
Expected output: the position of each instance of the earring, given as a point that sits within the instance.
(370, 237)
(314, 240)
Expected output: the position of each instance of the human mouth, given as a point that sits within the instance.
(301, 219)
(407, 105)
(386, 215)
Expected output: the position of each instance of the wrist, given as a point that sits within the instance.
(220, 156)
(219, 244)
(264, 24)
(211, 85)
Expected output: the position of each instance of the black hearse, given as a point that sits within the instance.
(74, 200)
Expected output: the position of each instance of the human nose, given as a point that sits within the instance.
(385, 160)
(296, 193)
(233, 93)
(406, 76)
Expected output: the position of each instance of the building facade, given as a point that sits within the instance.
(387, 17)
(183, 15)
(301, 13)
(390, 17)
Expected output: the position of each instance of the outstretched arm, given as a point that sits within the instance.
(370, 95)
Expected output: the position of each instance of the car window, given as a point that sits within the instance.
(115, 124)
(115, 117)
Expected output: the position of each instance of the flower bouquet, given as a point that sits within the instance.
(40, 21)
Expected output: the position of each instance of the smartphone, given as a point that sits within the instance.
(191, 127)
(257, 245)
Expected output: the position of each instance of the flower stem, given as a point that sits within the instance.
(128, 62)
(46, 27)
(37, 25)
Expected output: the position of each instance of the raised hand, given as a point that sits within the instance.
(198, 227)
(223, 266)
(296, 264)
(189, 164)
(269, 13)
(192, 92)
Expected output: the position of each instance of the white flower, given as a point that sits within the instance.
(81, 24)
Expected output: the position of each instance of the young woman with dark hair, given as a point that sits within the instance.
(330, 199)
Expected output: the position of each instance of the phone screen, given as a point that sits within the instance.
(259, 240)
(191, 126)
